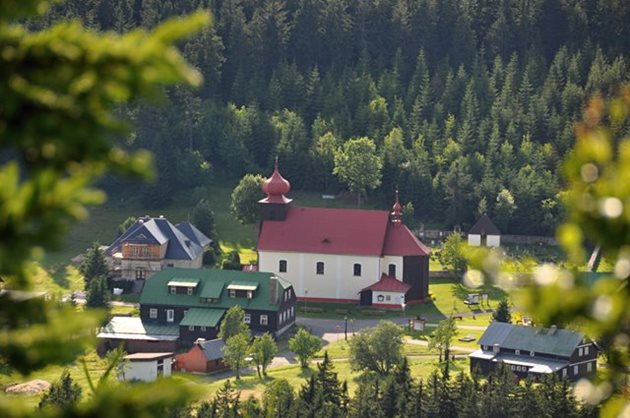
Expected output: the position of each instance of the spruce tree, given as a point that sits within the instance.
(63, 394)
(93, 264)
(502, 313)
(97, 293)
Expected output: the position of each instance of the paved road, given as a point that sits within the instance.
(331, 330)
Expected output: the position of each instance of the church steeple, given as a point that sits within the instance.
(275, 206)
(396, 213)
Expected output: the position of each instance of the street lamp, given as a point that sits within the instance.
(345, 327)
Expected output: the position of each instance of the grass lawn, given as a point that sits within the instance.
(449, 295)
(250, 384)
(95, 365)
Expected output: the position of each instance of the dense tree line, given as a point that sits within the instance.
(399, 395)
(471, 104)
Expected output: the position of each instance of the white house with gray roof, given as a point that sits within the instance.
(152, 244)
(534, 351)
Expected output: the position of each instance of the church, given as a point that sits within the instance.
(341, 255)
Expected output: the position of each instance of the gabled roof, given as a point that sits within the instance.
(326, 231)
(400, 241)
(389, 284)
(132, 328)
(562, 342)
(484, 226)
(339, 231)
(193, 233)
(199, 317)
(148, 356)
(184, 244)
(212, 349)
(212, 284)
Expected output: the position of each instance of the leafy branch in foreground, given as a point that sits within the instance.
(60, 87)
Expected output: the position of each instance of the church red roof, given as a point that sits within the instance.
(389, 284)
(400, 241)
(339, 231)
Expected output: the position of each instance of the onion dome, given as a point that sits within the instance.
(396, 213)
(276, 185)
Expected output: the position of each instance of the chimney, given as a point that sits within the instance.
(273, 290)
(553, 329)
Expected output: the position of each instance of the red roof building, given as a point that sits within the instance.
(334, 254)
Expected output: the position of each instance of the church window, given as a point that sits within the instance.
(391, 270)
(319, 268)
(357, 269)
(282, 266)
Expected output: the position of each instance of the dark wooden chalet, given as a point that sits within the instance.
(193, 303)
(533, 351)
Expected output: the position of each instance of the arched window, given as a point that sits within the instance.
(392, 270)
(357, 269)
(319, 268)
(282, 266)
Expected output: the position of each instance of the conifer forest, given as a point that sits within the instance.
(470, 103)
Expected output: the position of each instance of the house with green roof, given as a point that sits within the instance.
(196, 300)
(535, 351)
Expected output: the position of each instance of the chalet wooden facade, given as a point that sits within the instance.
(152, 244)
(203, 357)
(190, 305)
(532, 351)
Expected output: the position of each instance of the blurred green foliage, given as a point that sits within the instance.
(597, 202)
(60, 88)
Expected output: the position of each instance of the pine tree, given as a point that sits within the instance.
(502, 313)
(93, 264)
(63, 394)
(97, 293)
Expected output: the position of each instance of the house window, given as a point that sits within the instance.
(576, 370)
(485, 347)
(282, 266)
(250, 294)
(173, 290)
(189, 291)
(391, 270)
(153, 313)
(564, 372)
(580, 352)
(586, 350)
(232, 293)
(263, 319)
(388, 298)
(140, 274)
(170, 265)
(202, 329)
(291, 311)
(357, 269)
(191, 328)
(380, 298)
(247, 318)
(319, 268)
(517, 352)
(170, 315)
(589, 367)
(531, 353)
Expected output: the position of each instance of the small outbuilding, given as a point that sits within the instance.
(147, 366)
(388, 293)
(205, 356)
(484, 233)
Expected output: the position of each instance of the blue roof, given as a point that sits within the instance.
(193, 233)
(562, 342)
(182, 244)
